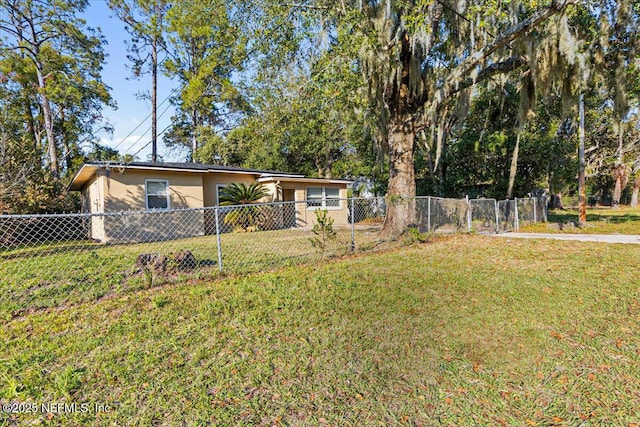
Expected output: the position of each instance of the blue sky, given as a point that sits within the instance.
(131, 111)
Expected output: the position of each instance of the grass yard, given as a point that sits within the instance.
(600, 220)
(466, 330)
(68, 273)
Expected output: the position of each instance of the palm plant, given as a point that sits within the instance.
(245, 217)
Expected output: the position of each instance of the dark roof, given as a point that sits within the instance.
(187, 166)
(89, 169)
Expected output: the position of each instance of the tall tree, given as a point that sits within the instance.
(616, 68)
(45, 40)
(145, 21)
(306, 122)
(206, 48)
(421, 57)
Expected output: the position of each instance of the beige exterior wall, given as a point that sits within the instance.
(93, 199)
(213, 180)
(306, 217)
(211, 183)
(118, 192)
(126, 192)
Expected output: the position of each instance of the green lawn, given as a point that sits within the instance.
(600, 220)
(68, 273)
(466, 330)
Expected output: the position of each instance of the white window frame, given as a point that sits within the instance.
(146, 194)
(323, 200)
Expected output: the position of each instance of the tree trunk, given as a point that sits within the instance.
(619, 172)
(620, 175)
(634, 194)
(194, 138)
(617, 193)
(582, 194)
(514, 167)
(68, 158)
(31, 128)
(402, 184)
(556, 201)
(48, 123)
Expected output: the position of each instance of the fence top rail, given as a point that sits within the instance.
(152, 211)
(232, 207)
(290, 202)
(50, 215)
(482, 199)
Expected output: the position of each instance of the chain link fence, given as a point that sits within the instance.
(45, 257)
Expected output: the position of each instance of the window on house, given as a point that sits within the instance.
(220, 192)
(157, 194)
(323, 197)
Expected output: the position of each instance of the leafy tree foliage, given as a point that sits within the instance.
(51, 99)
(51, 62)
(205, 48)
(419, 60)
(302, 124)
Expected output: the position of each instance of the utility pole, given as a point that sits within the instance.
(154, 99)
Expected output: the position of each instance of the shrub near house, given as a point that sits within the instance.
(246, 218)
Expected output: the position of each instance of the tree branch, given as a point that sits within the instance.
(455, 79)
(505, 66)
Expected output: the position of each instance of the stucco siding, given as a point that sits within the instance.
(211, 183)
(94, 203)
(126, 192)
(153, 226)
(306, 216)
(112, 191)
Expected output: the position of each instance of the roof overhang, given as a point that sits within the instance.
(84, 175)
(301, 179)
(89, 170)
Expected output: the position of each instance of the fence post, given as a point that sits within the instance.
(535, 214)
(468, 213)
(517, 220)
(496, 204)
(429, 214)
(218, 239)
(353, 225)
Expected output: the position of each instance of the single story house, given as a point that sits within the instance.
(168, 200)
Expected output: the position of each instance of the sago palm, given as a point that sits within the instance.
(243, 194)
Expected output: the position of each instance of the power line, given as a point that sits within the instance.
(264, 38)
(141, 136)
(142, 122)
